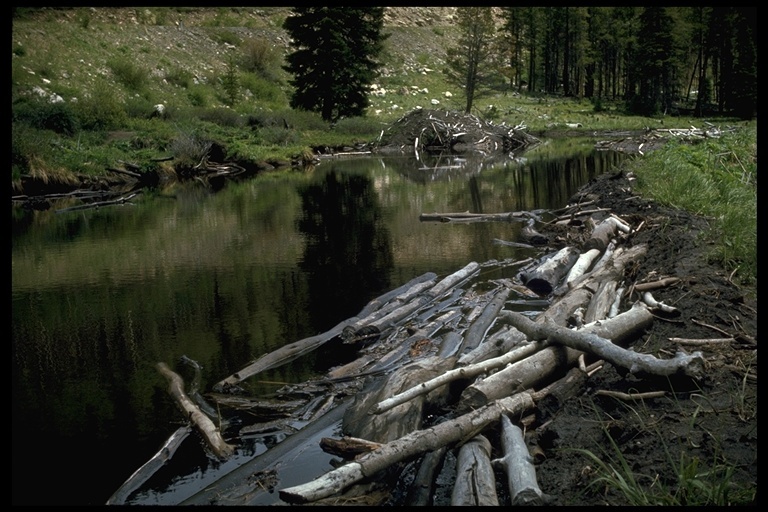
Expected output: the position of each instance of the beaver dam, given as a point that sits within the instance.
(451, 377)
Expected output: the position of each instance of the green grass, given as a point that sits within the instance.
(715, 178)
(681, 480)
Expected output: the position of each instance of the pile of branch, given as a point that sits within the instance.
(432, 344)
(450, 131)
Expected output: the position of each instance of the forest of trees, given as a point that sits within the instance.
(656, 60)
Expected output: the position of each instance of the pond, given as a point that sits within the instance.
(100, 296)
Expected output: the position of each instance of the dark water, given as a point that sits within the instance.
(101, 296)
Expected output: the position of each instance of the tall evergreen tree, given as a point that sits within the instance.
(467, 60)
(334, 58)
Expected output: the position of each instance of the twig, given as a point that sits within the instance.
(627, 397)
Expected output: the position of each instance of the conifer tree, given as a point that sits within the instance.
(334, 58)
(467, 61)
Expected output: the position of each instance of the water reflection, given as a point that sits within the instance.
(100, 296)
(348, 249)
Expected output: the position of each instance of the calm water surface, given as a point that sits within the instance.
(101, 296)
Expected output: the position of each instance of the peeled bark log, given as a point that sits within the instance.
(518, 464)
(203, 423)
(546, 364)
(467, 372)
(480, 326)
(150, 467)
(294, 350)
(501, 342)
(645, 364)
(405, 448)
(545, 277)
(475, 484)
(587, 284)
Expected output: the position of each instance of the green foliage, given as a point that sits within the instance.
(132, 76)
(334, 58)
(231, 83)
(716, 178)
(189, 149)
(225, 36)
(199, 95)
(44, 115)
(220, 116)
(467, 60)
(261, 57)
(101, 110)
(261, 89)
(361, 127)
(180, 77)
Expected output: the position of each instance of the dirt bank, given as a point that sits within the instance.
(712, 421)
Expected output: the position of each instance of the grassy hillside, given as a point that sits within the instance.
(85, 83)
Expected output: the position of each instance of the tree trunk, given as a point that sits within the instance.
(203, 423)
(475, 483)
(405, 448)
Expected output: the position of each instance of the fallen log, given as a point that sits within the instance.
(289, 352)
(150, 467)
(467, 216)
(518, 464)
(691, 365)
(204, 425)
(475, 483)
(422, 488)
(405, 448)
(547, 363)
(544, 277)
(476, 331)
(466, 372)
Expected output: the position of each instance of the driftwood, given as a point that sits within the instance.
(543, 278)
(294, 350)
(518, 464)
(466, 216)
(409, 446)
(545, 364)
(99, 204)
(150, 467)
(645, 364)
(467, 372)
(480, 326)
(475, 483)
(499, 343)
(204, 425)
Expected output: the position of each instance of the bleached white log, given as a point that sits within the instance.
(518, 464)
(204, 425)
(691, 365)
(463, 427)
(466, 372)
(582, 264)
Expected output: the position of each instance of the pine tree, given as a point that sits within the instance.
(468, 60)
(334, 58)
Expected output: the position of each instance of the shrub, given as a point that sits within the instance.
(279, 136)
(260, 57)
(189, 149)
(358, 126)
(198, 95)
(44, 115)
(179, 77)
(221, 117)
(261, 89)
(130, 75)
(101, 110)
